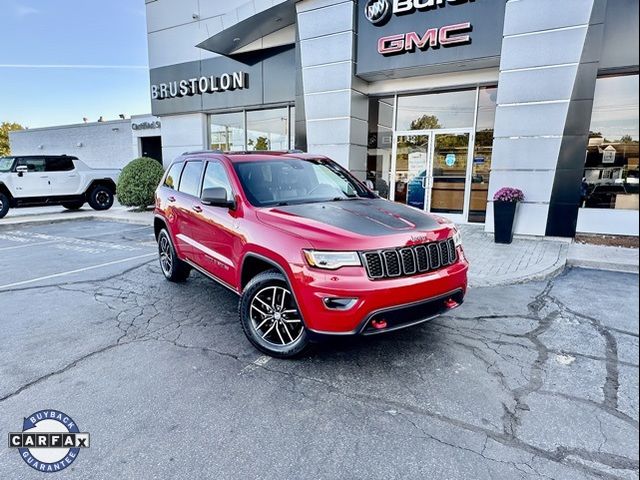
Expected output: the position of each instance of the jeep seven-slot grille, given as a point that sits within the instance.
(405, 261)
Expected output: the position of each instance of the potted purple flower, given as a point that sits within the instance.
(505, 203)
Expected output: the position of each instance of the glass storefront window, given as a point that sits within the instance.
(227, 131)
(436, 110)
(268, 129)
(610, 177)
(380, 144)
(482, 153)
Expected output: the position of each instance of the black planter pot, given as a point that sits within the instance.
(504, 214)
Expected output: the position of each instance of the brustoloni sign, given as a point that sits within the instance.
(200, 85)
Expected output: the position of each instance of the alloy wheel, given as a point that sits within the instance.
(275, 317)
(166, 260)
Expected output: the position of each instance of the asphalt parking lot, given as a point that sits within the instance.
(538, 380)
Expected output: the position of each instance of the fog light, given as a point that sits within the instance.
(339, 303)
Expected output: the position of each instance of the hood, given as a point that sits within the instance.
(357, 224)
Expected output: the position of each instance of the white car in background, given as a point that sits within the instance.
(39, 180)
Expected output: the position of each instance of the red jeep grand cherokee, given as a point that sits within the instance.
(310, 250)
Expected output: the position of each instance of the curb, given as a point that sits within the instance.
(606, 266)
(109, 218)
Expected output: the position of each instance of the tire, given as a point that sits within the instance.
(273, 324)
(100, 198)
(174, 269)
(73, 205)
(4, 205)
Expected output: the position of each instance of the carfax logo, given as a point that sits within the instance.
(50, 440)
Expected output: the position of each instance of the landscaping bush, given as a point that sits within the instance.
(138, 181)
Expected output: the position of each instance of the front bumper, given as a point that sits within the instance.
(400, 302)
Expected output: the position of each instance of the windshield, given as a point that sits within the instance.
(295, 181)
(5, 164)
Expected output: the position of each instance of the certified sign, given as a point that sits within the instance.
(49, 441)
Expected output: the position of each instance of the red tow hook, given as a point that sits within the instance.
(379, 324)
(451, 303)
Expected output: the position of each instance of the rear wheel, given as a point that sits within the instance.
(101, 198)
(174, 269)
(73, 205)
(4, 204)
(270, 317)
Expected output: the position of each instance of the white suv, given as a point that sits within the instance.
(37, 180)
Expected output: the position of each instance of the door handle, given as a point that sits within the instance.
(197, 208)
(44, 176)
(171, 199)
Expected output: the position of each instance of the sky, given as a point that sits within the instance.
(62, 60)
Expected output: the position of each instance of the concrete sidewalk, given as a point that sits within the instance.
(526, 259)
(601, 257)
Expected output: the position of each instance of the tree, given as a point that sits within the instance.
(425, 122)
(262, 143)
(626, 139)
(5, 128)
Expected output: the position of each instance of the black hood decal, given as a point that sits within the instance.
(372, 217)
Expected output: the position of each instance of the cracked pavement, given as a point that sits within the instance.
(530, 381)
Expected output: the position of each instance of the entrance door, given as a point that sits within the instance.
(432, 171)
(151, 147)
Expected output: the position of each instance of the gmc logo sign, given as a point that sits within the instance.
(447, 36)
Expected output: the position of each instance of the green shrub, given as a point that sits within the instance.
(138, 181)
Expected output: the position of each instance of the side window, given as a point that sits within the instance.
(190, 179)
(32, 164)
(216, 176)
(59, 164)
(173, 177)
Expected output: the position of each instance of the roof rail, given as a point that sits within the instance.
(201, 151)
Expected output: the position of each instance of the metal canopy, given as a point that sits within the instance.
(251, 29)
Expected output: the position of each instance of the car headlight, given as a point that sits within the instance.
(332, 260)
(457, 238)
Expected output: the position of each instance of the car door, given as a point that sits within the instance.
(63, 176)
(186, 196)
(34, 182)
(215, 228)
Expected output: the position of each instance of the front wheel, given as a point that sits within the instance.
(270, 317)
(4, 205)
(101, 198)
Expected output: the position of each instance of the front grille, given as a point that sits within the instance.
(406, 261)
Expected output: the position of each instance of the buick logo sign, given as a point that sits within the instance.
(377, 12)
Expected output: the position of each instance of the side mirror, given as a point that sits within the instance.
(217, 197)
(21, 170)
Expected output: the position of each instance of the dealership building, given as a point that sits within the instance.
(438, 103)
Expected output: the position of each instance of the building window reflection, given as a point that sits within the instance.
(227, 131)
(610, 177)
(267, 129)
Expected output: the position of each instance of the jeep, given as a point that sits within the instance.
(310, 250)
(38, 180)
